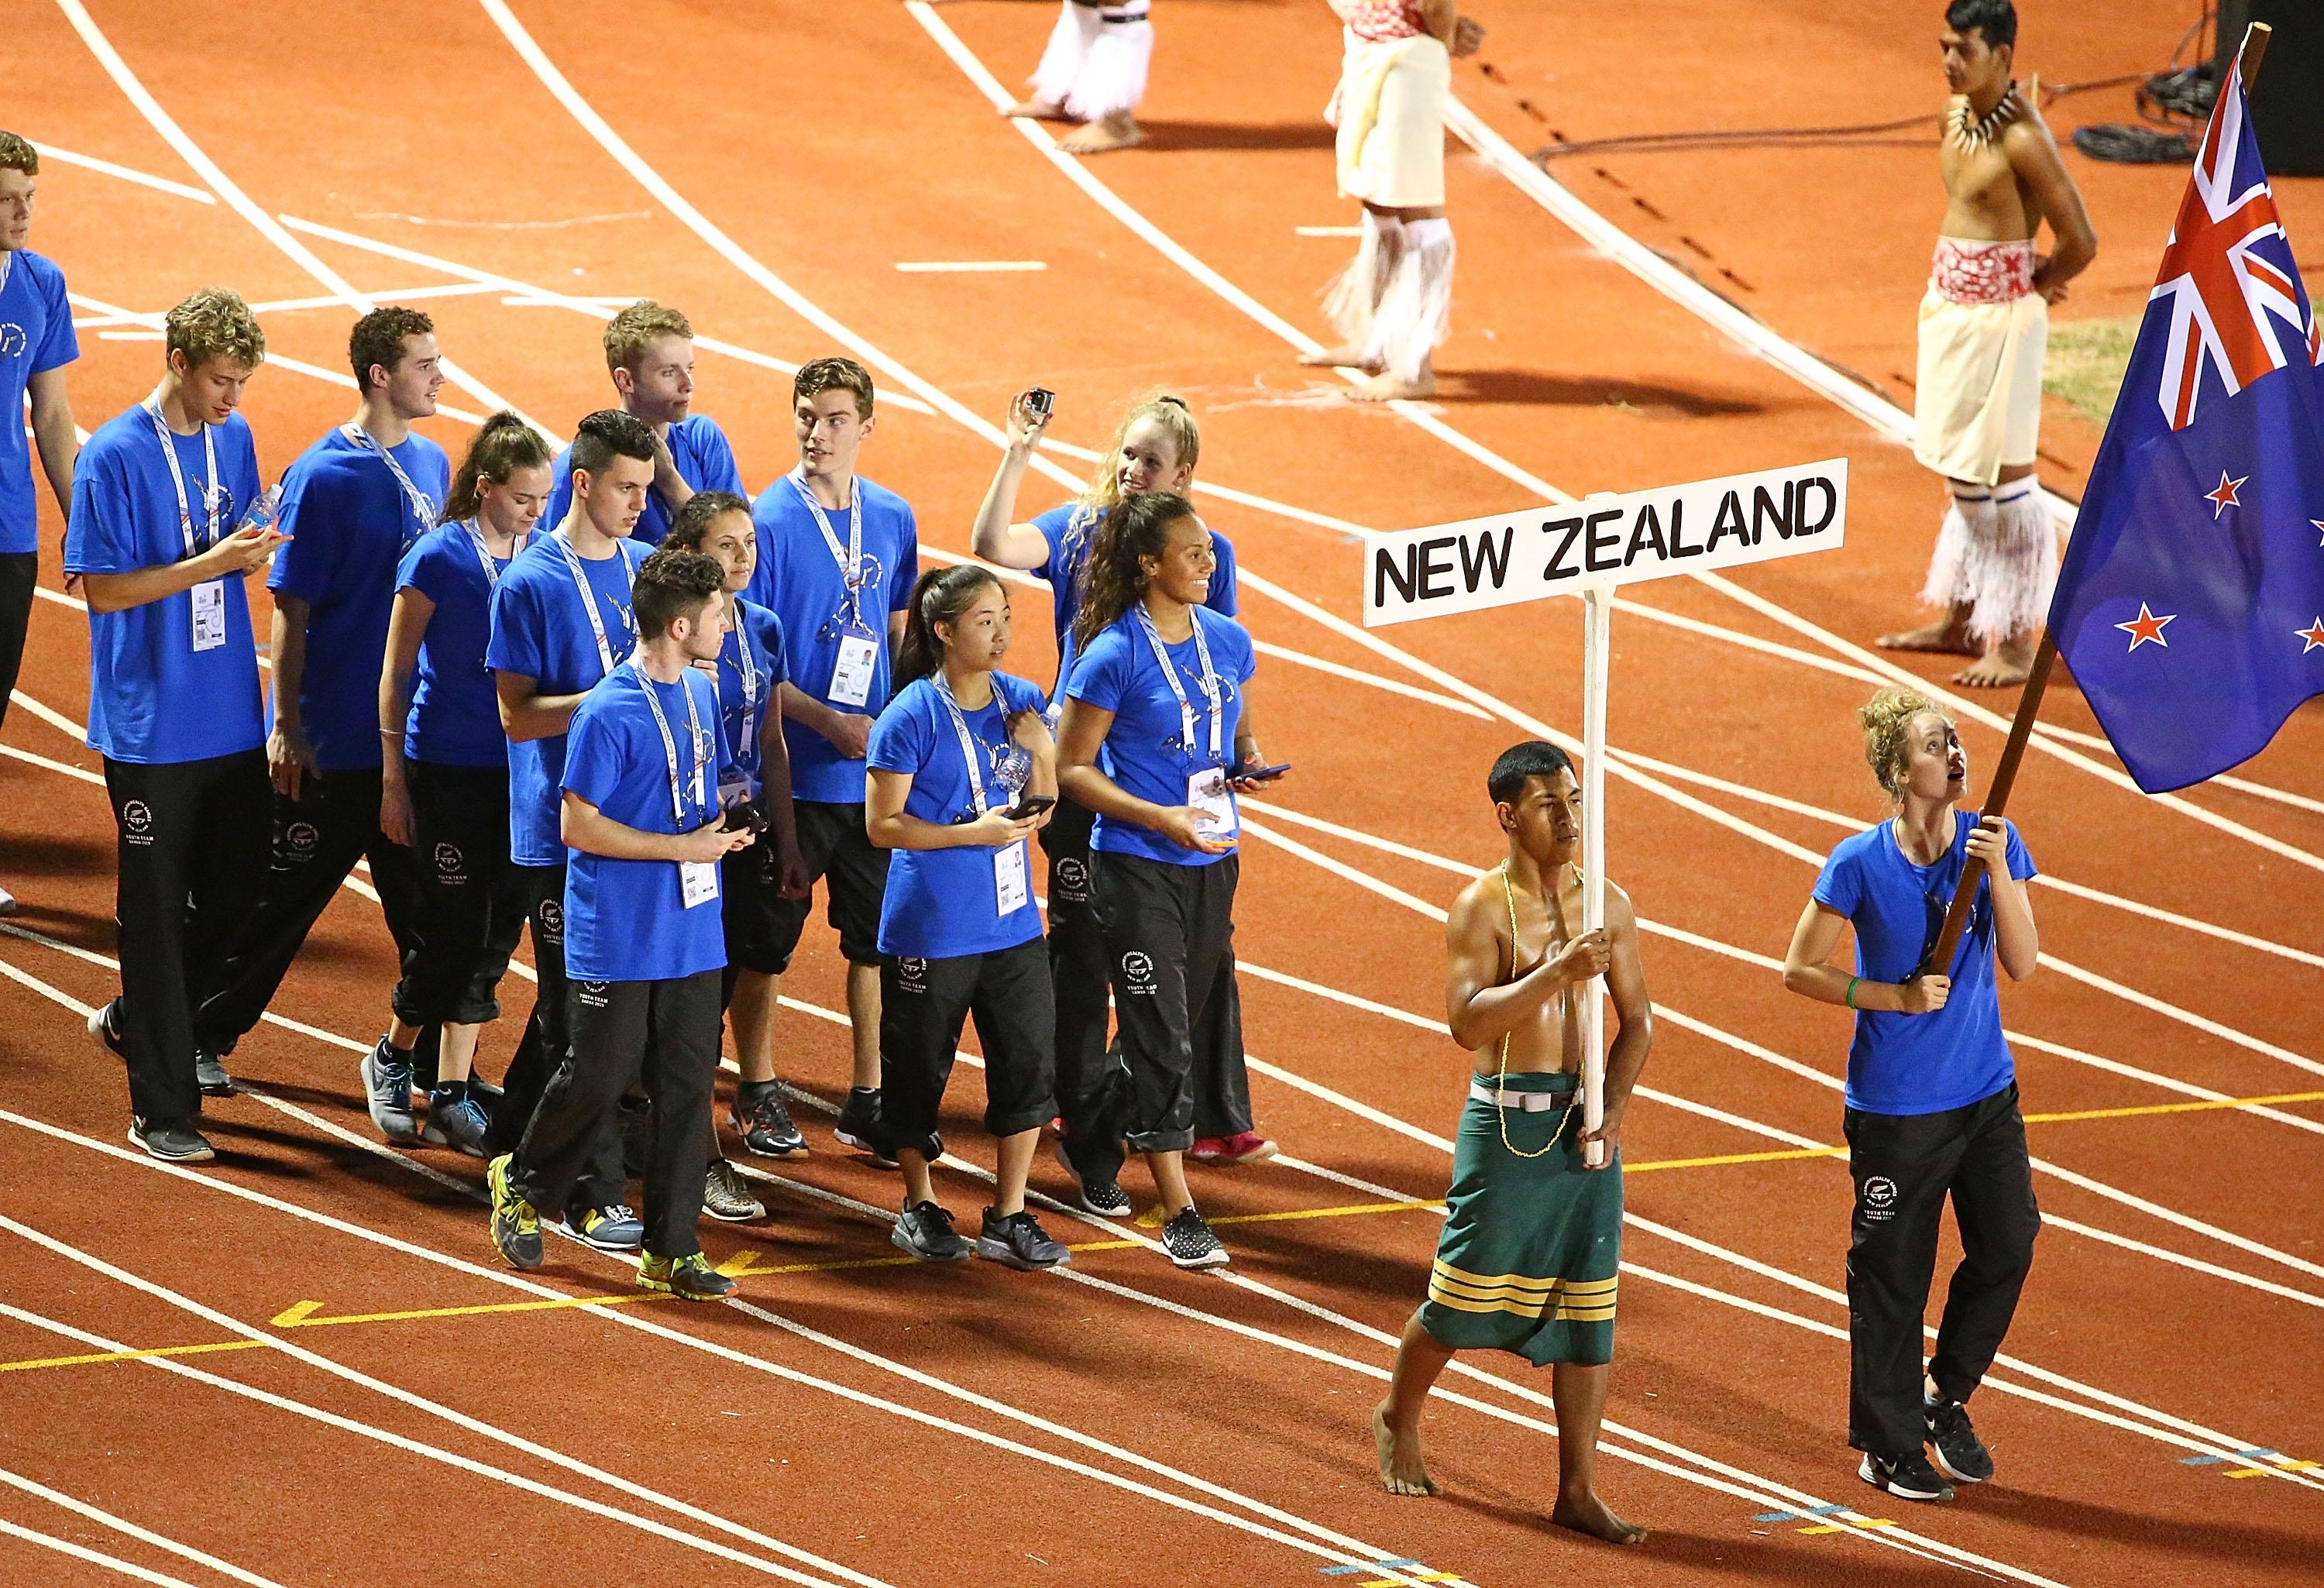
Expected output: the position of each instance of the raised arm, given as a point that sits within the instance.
(995, 538)
(1480, 1007)
(243, 552)
(2017, 943)
(1807, 972)
(584, 828)
(1634, 1018)
(1080, 736)
(2034, 157)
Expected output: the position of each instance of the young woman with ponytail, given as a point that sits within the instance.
(444, 786)
(954, 759)
(1156, 447)
(1160, 686)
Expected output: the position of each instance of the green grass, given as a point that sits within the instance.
(2084, 365)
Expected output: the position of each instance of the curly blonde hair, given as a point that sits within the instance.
(1104, 492)
(16, 154)
(629, 333)
(1886, 719)
(215, 324)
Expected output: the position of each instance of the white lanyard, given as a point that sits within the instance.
(850, 557)
(1210, 686)
(424, 507)
(968, 751)
(590, 597)
(484, 557)
(7, 263)
(747, 750)
(211, 495)
(678, 808)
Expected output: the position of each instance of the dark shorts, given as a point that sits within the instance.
(1532, 1246)
(855, 875)
(758, 936)
(923, 1004)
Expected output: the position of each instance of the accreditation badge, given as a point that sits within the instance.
(698, 881)
(1011, 889)
(209, 615)
(850, 673)
(1208, 793)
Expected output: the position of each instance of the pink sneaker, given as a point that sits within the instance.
(1244, 1147)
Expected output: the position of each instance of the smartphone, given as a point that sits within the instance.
(1027, 808)
(1256, 774)
(1040, 399)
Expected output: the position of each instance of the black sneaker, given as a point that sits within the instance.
(104, 1026)
(1019, 1242)
(925, 1231)
(766, 1126)
(1105, 1198)
(171, 1140)
(209, 1074)
(1190, 1243)
(858, 1126)
(1959, 1454)
(1907, 1477)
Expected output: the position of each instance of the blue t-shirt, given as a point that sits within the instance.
(456, 711)
(350, 524)
(750, 665)
(703, 459)
(540, 630)
(798, 579)
(626, 920)
(1067, 530)
(36, 334)
(152, 698)
(942, 903)
(1904, 1064)
(1145, 751)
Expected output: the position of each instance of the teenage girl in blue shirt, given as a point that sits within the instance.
(1931, 1097)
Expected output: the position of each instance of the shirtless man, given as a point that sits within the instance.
(1394, 302)
(1094, 72)
(1984, 321)
(1532, 1235)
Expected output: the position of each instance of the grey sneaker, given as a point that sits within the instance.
(456, 1121)
(725, 1196)
(1019, 1242)
(209, 1075)
(925, 1231)
(1190, 1243)
(516, 1227)
(171, 1140)
(608, 1229)
(387, 1093)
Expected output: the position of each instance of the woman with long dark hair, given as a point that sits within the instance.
(444, 779)
(962, 773)
(1160, 686)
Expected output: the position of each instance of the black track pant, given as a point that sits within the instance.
(317, 839)
(548, 1043)
(192, 846)
(664, 1034)
(1905, 1167)
(923, 1004)
(1089, 1096)
(1169, 930)
(19, 571)
(473, 902)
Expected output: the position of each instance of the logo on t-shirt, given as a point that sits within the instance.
(1880, 1198)
(137, 822)
(13, 340)
(1139, 972)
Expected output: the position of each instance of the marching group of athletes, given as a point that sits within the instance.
(598, 689)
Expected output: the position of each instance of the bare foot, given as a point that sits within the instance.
(1037, 110)
(1401, 1470)
(1115, 132)
(1389, 388)
(1589, 1515)
(1950, 638)
(2001, 668)
(1345, 357)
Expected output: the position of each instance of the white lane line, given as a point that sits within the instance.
(1078, 173)
(142, 178)
(45, 764)
(95, 1558)
(122, 1525)
(967, 266)
(391, 1439)
(1327, 231)
(234, 197)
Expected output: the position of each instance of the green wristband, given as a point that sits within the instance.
(1851, 989)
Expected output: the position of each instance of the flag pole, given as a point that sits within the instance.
(2037, 678)
(1596, 665)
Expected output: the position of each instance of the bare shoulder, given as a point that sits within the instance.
(1471, 910)
(2027, 141)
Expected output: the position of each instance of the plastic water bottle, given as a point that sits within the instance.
(263, 512)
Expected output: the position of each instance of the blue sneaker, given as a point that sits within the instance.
(608, 1229)
(454, 1121)
(387, 1093)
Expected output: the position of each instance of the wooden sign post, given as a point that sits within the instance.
(1588, 548)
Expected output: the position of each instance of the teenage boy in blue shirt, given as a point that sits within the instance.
(561, 622)
(1932, 1096)
(158, 494)
(649, 353)
(837, 556)
(352, 504)
(34, 349)
(645, 944)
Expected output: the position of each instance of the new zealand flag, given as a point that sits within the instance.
(2191, 606)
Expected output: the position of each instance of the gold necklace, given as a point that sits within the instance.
(1501, 1075)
